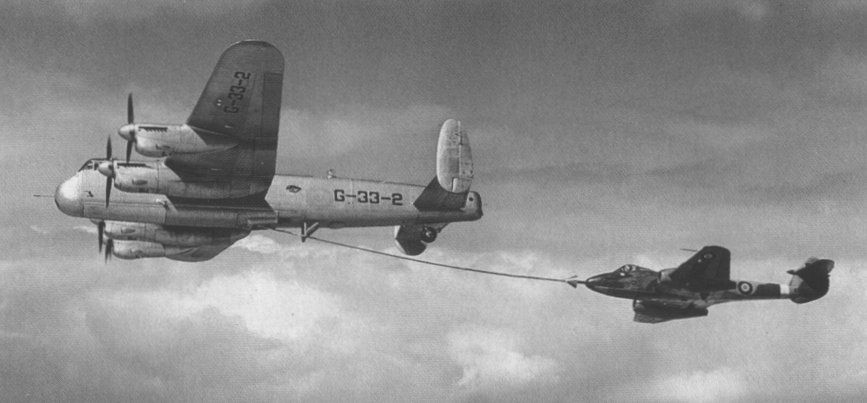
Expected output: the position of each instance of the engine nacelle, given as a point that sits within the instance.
(153, 233)
(665, 275)
(666, 314)
(163, 140)
(137, 249)
(156, 177)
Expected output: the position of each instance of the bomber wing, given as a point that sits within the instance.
(241, 101)
(706, 270)
(201, 253)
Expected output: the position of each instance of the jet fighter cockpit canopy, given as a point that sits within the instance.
(627, 269)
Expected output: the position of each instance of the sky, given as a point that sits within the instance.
(603, 133)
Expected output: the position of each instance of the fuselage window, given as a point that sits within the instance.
(293, 189)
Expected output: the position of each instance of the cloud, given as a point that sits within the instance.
(267, 306)
(40, 230)
(490, 360)
(723, 384)
(89, 229)
(259, 244)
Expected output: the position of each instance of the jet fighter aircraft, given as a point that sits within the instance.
(703, 280)
(214, 177)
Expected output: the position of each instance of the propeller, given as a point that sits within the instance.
(100, 233)
(109, 249)
(128, 130)
(107, 168)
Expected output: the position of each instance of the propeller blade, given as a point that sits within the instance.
(100, 233)
(109, 248)
(107, 190)
(108, 148)
(130, 117)
(128, 150)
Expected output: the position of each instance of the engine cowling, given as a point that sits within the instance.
(156, 177)
(145, 232)
(137, 249)
(662, 314)
(153, 140)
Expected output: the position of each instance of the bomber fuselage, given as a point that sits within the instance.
(291, 201)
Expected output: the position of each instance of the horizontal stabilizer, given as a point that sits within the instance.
(413, 239)
(812, 281)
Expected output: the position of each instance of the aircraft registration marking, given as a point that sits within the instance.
(368, 196)
(236, 92)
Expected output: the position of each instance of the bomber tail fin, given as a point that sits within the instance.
(812, 281)
(449, 189)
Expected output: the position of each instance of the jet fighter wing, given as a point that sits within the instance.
(706, 270)
(240, 101)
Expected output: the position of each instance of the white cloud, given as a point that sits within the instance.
(269, 307)
(40, 230)
(90, 229)
(259, 244)
(723, 384)
(490, 358)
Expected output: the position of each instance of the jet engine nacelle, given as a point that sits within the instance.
(665, 275)
(153, 233)
(164, 140)
(156, 177)
(663, 314)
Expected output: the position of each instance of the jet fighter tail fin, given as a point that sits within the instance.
(449, 189)
(812, 281)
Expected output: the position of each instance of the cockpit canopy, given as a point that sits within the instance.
(628, 269)
(92, 163)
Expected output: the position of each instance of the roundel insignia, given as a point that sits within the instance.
(745, 287)
(708, 256)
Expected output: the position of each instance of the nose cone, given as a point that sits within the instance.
(127, 132)
(67, 198)
(603, 283)
(593, 282)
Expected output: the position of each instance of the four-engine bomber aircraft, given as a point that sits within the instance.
(214, 180)
(703, 280)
